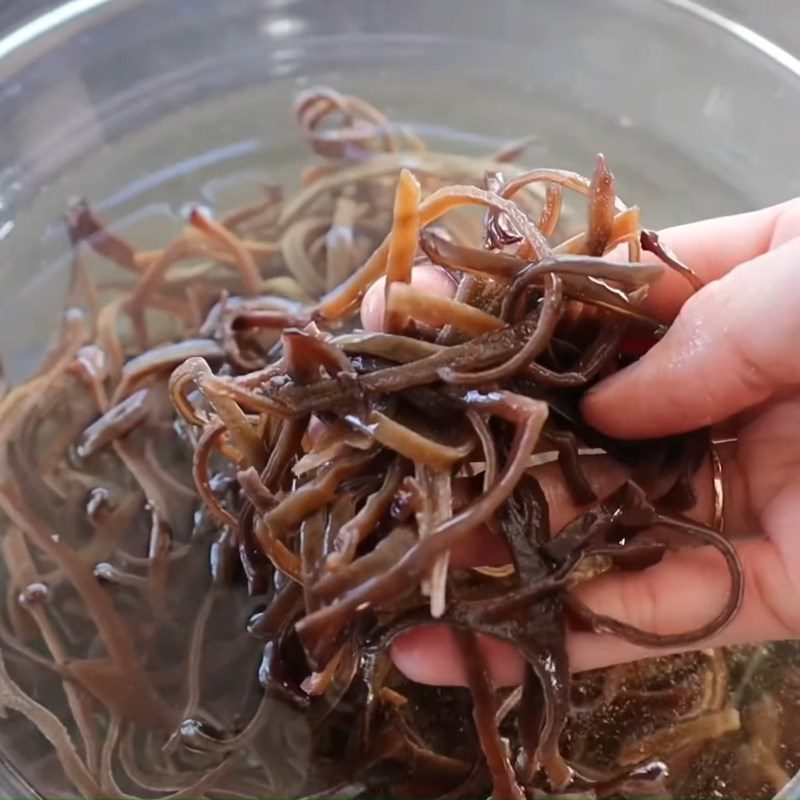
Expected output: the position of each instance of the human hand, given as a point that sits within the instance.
(732, 356)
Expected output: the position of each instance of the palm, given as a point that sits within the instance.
(768, 454)
(766, 460)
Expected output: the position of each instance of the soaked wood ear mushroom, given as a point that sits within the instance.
(222, 500)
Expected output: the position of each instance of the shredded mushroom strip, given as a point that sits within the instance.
(232, 639)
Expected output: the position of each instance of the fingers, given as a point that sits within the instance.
(712, 248)
(681, 593)
(427, 277)
(732, 346)
(430, 655)
(677, 595)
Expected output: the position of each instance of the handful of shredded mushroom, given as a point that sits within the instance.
(223, 500)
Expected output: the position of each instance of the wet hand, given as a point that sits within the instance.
(731, 358)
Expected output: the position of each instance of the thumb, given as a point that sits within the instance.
(734, 344)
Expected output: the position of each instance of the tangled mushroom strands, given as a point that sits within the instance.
(353, 532)
(481, 352)
(625, 228)
(362, 123)
(334, 470)
(341, 300)
(184, 248)
(197, 371)
(18, 558)
(586, 279)
(329, 394)
(549, 316)
(13, 698)
(18, 402)
(528, 416)
(138, 697)
(442, 167)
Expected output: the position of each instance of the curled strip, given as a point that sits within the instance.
(551, 313)
(207, 442)
(630, 633)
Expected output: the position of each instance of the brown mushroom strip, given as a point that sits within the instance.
(220, 235)
(311, 496)
(435, 310)
(600, 622)
(497, 757)
(400, 349)
(487, 445)
(330, 445)
(116, 422)
(276, 551)
(90, 365)
(625, 228)
(402, 246)
(436, 506)
(387, 552)
(265, 318)
(340, 252)
(244, 435)
(294, 248)
(318, 682)
(407, 442)
(511, 152)
(202, 454)
(162, 359)
(601, 208)
(85, 226)
(651, 242)
(454, 256)
(273, 195)
(305, 354)
(353, 532)
(551, 211)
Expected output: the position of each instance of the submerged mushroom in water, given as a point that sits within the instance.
(222, 500)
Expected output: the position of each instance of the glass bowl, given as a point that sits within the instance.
(142, 106)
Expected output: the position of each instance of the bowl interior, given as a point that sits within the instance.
(145, 108)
